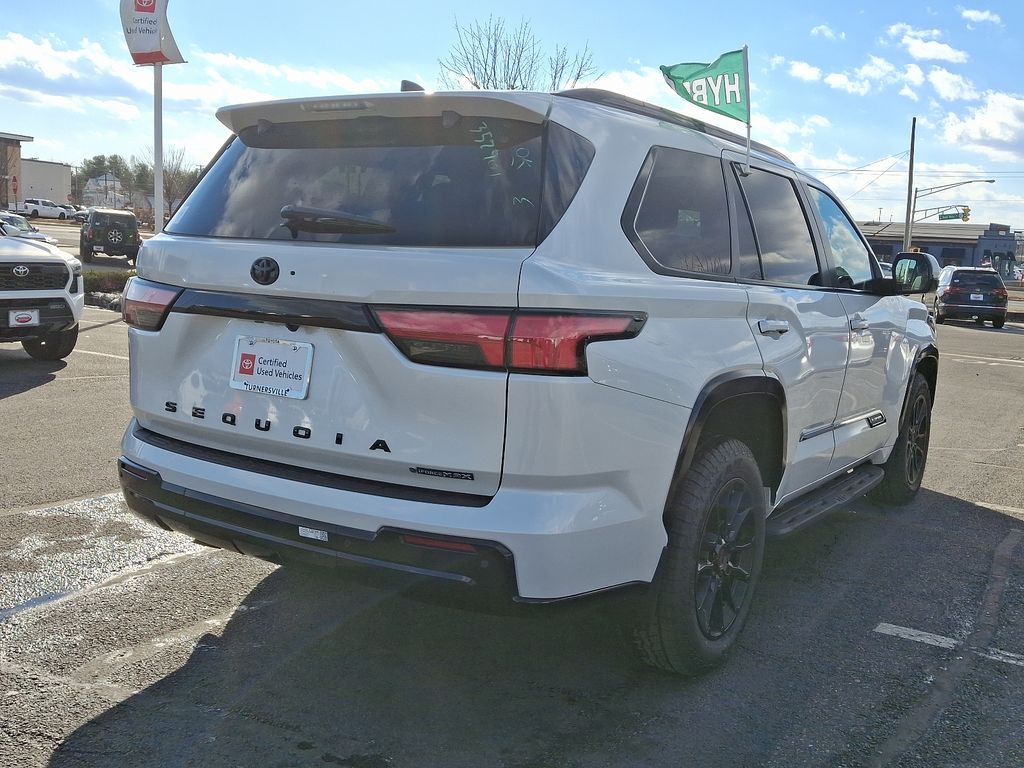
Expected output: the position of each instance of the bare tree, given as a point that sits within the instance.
(492, 56)
(179, 174)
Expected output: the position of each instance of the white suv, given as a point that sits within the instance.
(547, 343)
(41, 297)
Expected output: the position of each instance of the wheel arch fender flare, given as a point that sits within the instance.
(926, 362)
(747, 386)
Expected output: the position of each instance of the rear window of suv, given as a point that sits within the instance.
(125, 220)
(424, 181)
(976, 280)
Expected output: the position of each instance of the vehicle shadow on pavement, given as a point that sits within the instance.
(312, 670)
(20, 373)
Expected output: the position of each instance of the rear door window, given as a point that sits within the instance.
(426, 181)
(780, 226)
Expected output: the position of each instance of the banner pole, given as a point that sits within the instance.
(158, 149)
(746, 88)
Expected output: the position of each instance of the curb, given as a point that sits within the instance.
(104, 301)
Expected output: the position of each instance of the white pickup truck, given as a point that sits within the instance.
(37, 207)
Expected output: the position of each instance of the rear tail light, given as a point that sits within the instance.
(145, 304)
(510, 340)
(440, 337)
(1000, 293)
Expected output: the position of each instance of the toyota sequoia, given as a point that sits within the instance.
(542, 344)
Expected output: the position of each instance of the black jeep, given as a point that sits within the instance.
(109, 231)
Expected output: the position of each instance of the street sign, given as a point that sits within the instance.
(953, 215)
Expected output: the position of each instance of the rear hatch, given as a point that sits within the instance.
(350, 268)
(976, 288)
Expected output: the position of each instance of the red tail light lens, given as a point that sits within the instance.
(556, 343)
(1000, 293)
(441, 337)
(527, 342)
(145, 304)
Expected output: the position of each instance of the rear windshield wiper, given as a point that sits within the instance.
(301, 218)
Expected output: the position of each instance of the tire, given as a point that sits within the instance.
(999, 322)
(939, 317)
(905, 468)
(62, 216)
(979, 321)
(34, 215)
(132, 255)
(705, 584)
(84, 251)
(52, 346)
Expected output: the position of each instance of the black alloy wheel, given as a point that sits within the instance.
(704, 588)
(904, 469)
(918, 428)
(726, 560)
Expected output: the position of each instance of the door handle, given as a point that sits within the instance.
(859, 324)
(773, 326)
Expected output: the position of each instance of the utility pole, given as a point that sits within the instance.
(910, 189)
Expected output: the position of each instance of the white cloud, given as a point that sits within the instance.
(950, 86)
(804, 71)
(913, 75)
(995, 129)
(922, 44)
(877, 68)
(978, 16)
(842, 82)
(905, 30)
(776, 61)
(781, 133)
(908, 92)
(827, 32)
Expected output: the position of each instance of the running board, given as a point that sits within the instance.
(818, 503)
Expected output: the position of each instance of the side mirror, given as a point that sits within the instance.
(916, 273)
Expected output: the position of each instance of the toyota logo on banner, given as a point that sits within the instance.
(145, 6)
(20, 271)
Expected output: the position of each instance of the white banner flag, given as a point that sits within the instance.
(147, 32)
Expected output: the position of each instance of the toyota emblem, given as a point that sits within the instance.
(265, 271)
(20, 271)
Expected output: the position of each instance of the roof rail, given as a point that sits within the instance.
(637, 107)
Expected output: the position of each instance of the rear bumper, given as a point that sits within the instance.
(585, 535)
(276, 536)
(971, 310)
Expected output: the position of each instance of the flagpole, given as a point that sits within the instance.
(158, 148)
(746, 88)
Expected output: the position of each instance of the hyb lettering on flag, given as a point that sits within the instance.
(720, 86)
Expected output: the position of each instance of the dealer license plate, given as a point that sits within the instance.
(977, 297)
(22, 318)
(272, 366)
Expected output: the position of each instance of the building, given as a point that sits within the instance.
(105, 191)
(11, 189)
(45, 179)
(964, 245)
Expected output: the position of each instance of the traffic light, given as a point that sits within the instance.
(966, 214)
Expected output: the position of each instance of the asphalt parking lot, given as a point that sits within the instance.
(881, 637)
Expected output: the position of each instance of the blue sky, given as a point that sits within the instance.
(834, 85)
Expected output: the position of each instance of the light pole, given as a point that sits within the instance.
(931, 191)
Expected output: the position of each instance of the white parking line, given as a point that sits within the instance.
(1011, 360)
(916, 635)
(948, 643)
(100, 354)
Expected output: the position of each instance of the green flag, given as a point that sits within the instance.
(720, 86)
